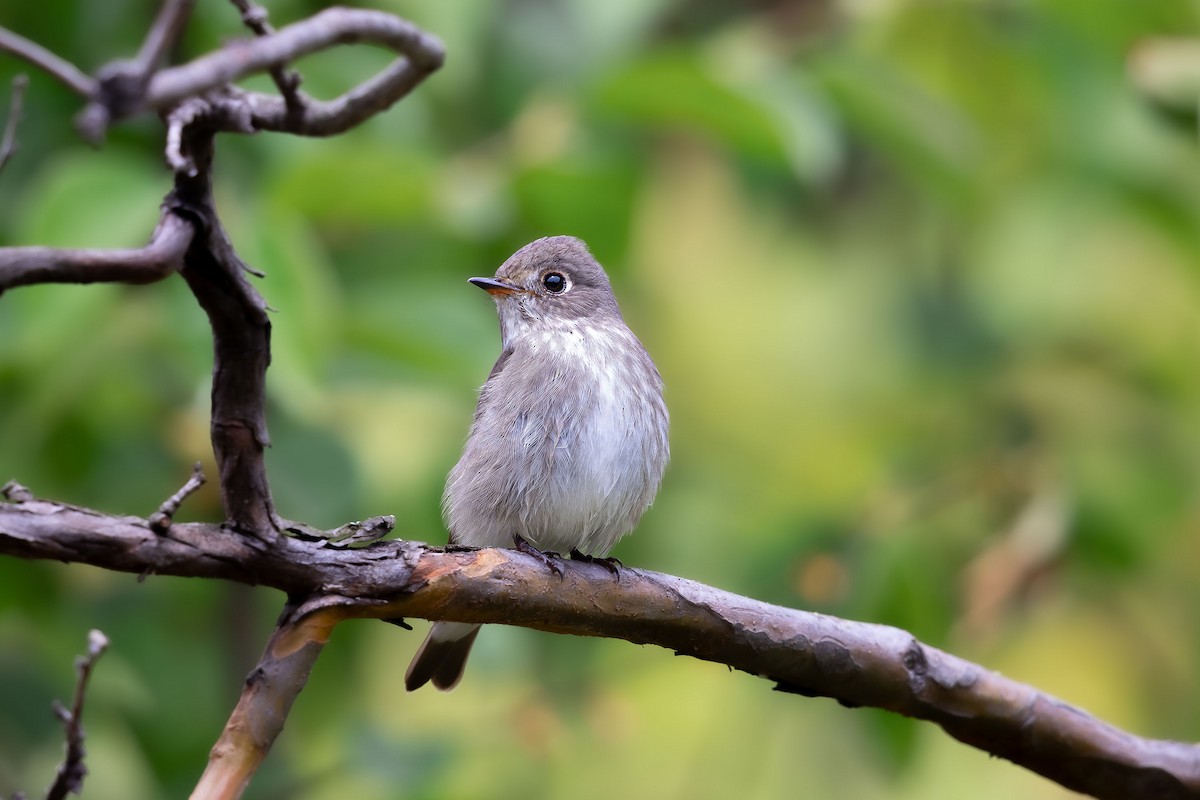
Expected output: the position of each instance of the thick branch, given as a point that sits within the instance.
(21, 266)
(241, 333)
(857, 663)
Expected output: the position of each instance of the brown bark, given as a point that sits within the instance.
(856, 663)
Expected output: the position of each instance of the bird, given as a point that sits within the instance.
(569, 441)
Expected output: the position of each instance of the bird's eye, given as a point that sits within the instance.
(554, 282)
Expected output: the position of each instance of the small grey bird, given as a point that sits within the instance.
(569, 441)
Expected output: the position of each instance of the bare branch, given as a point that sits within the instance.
(8, 143)
(168, 27)
(21, 266)
(287, 81)
(422, 54)
(124, 88)
(72, 770)
(63, 71)
(160, 521)
(121, 85)
(859, 664)
(241, 334)
(178, 121)
(269, 692)
(329, 118)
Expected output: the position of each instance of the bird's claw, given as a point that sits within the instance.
(610, 563)
(550, 560)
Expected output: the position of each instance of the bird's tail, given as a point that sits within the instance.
(442, 656)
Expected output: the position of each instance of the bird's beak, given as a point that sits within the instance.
(495, 287)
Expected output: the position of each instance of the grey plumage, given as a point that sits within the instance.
(569, 441)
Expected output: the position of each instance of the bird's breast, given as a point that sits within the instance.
(569, 441)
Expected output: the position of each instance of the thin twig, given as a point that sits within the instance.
(8, 144)
(254, 17)
(160, 521)
(72, 771)
(164, 33)
(60, 69)
(14, 492)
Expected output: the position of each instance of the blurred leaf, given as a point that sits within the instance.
(84, 201)
(894, 737)
(591, 201)
(677, 91)
(349, 185)
(926, 140)
(1168, 71)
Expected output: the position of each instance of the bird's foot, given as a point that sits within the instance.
(610, 563)
(550, 560)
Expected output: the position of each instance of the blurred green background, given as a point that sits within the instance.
(921, 278)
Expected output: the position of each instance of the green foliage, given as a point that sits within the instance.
(920, 276)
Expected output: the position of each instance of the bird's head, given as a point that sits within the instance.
(548, 281)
